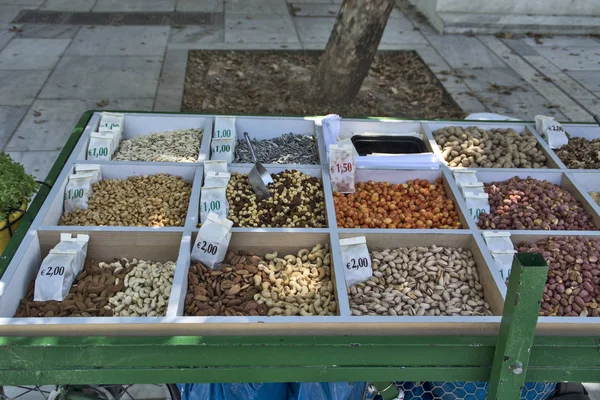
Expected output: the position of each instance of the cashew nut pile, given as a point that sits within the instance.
(421, 281)
(147, 289)
(298, 284)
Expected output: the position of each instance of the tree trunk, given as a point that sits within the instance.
(350, 50)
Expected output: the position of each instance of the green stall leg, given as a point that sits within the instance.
(517, 329)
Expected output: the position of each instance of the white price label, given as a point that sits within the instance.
(213, 200)
(504, 261)
(477, 203)
(55, 276)
(225, 128)
(342, 167)
(212, 241)
(464, 176)
(356, 260)
(222, 149)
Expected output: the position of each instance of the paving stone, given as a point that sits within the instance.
(573, 58)
(30, 54)
(315, 10)
(522, 105)
(188, 37)
(311, 1)
(82, 77)
(37, 163)
(68, 5)
(120, 41)
(49, 123)
(588, 79)
(134, 5)
(240, 46)
(47, 31)
(521, 47)
(8, 13)
(553, 94)
(249, 7)
(199, 6)
(19, 88)
(314, 29)
(484, 78)
(259, 29)
(563, 41)
(9, 119)
(172, 80)
(432, 58)
(5, 37)
(461, 51)
(401, 31)
(469, 104)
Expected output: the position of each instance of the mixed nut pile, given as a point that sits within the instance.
(533, 204)
(149, 200)
(246, 284)
(421, 281)
(573, 284)
(497, 148)
(297, 200)
(121, 288)
(414, 204)
(181, 145)
(285, 149)
(580, 153)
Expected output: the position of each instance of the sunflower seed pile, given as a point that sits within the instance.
(286, 149)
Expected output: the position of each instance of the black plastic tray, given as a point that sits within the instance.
(389, 144)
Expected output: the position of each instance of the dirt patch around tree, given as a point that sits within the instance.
(399, 84)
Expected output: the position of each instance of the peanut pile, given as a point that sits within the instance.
(149, 200)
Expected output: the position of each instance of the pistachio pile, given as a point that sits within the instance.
(246, 284)
(149, 200)
(182, 145)
(297, 200)
(421, 281)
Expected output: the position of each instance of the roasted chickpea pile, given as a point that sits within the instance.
(416, 204)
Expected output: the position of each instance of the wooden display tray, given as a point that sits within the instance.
(174, 243)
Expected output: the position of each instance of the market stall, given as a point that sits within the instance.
(394, 280)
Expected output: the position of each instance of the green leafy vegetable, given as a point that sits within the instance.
(16, 185)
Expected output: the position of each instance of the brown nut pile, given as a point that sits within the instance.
(421, 281)
(228, 290)
(595, 196)
(297, 201)
(88, 296)
(533, 204)
(297, 284)
(573, 284)
(415, 204)
(497, 148)
(149, 200)
(580, 153)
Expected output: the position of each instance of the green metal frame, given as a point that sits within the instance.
(381, 359)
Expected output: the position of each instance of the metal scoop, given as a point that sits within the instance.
(258, 177)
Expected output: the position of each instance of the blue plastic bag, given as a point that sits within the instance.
(326, 390)
(234, 391)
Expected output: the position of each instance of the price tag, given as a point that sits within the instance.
(504, 261)
(100, 146)
(466, 188)
(222, 149)
(551, 130)
(224, 128)
(216, 166)
(477, 203)
(356, 260)
(213, 199)
(342, 167)
(464, 176)
(212, 241)
(498, 240)
(55, 276)
(94, 169)
(78, 192)
(216, 179)
(78, 244)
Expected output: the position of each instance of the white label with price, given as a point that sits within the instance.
(477, 203)
(224, 128)
(342, 163)
(213, 200)
(93, 169)
(212, 241)
(55, 276)
(78, 244)
(464, 176)
(504, 260)
(101, 146)
(498, 240)
(78, 192)
(216, 166)
(356, 260)
(551, 130)
(476, 187)
(222, 149)
(216, 179)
